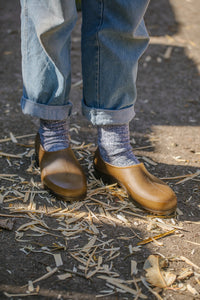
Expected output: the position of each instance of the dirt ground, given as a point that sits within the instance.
(97, 239)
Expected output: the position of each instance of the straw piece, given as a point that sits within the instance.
(47, 275)
(189, 262)
(17, 137)
(192, 176)
(148, 240)
(64, 276)
(122, 286)
(19, 295)
(10, 155)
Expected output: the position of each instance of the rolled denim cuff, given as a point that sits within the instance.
(46, 112)
(99, 116)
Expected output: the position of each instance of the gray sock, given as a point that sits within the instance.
(114, 145)
(54, 135)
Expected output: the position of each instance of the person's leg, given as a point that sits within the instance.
(113, 39)
(45, 43)
(45, 35)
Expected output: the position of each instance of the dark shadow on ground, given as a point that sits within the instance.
(160, 18)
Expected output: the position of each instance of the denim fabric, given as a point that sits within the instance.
(45, 43)
(113, 39)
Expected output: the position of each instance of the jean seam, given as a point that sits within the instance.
(98, 54)
(26, 29)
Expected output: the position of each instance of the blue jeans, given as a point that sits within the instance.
(113, 39)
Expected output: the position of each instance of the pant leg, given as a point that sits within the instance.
(45, 44)
(113, 39)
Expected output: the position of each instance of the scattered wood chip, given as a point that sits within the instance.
(78, 83)
(168, 52)
(8, 175)
(134, 269)
(192, 290)
(19, 295)
(179, 212)
(10, 155)
(58, 259)
(30, 286)
(150, 161)
(198, 244)
(119, 283)
(64, 276)
(90, 244)
(159, 236)
(122, 218)
(13, 138)
(192, 176)
(185, 274)
(189, 262)
(7, 224)
(150, 289)
(17, 137)
(45, 276)
(1, 198)
(30, 153)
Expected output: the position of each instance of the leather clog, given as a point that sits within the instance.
(61, 172)
(147, 191)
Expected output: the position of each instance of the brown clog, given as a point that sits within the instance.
(61, 173)
(149, 192)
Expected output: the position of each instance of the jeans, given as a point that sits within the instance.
(113, 39)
